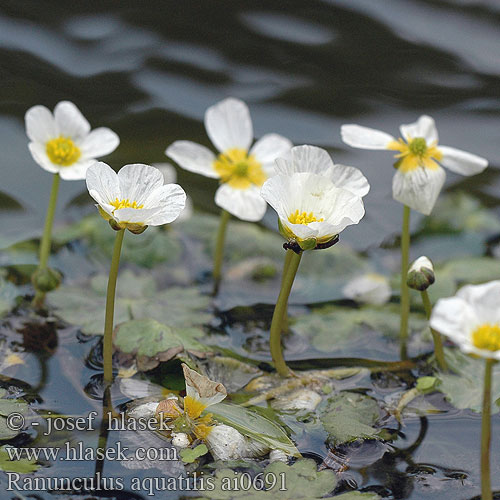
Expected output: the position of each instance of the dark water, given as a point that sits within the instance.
(150, 69)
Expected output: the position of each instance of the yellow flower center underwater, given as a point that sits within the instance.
(239, 169)
(193, 408)
(303, 218)
(415, 153)
(125, 203)
(62, 151)
(487, 337)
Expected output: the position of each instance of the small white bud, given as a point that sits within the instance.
(421, 274)
(180, 439)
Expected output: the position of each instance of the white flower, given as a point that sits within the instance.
(312, 210)
(471, 319)
(63, 142)
(317, 161)
(241, 170)
(370, 288)
(135, 197)
(419, 177)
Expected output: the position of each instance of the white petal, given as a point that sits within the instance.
(100, 142)
(171, 198)
(39, 154)
(142, 216)
(346, 209)
(304, 159)
(229, 125)
(40, 124)
(193, 157)
(484, 300)
(270, 147)
(424, 127)
(452, 317)
(246, 204)
(461, 162)
(419, 188)
(421, 263)
(168, 171)
(369, 288)
(102, 183)
(276, 191)
(137, 181)
(70, 121)
(350, 179)
(364, 137)
(77, 171)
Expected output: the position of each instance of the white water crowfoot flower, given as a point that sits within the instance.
(471, 319)
(62, 142)
(419, 177)
(241, 169)
(312, 210)
(135, 197)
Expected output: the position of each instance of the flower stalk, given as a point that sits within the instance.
(280, 311)
(486, 433)
(110, 308)
(219, 249)
(405, 291)
(286, 265)
(438, 343)
(45, 244)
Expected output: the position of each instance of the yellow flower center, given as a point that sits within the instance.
(487, 337)
(414, 154)
(62, 151)
(239, 169)
(303, 218)
(125, 203)
(193, 408)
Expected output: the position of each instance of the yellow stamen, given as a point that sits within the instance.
(239, 169)
(487, 337)
(415, 153)
(125, 203)
(303, 218)
(193, 408)
(62, 151)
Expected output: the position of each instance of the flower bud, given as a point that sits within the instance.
(421, 274)
(46, 280)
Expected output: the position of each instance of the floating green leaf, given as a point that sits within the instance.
(151, 342)
(255, 426)
(349, 416)
(22, 466)
(463, 387)
(301, 481)
(8, 406)
(190, 455)
(137, 298)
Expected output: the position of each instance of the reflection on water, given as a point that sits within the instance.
(150, 72)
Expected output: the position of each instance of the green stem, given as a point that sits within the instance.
(438, 343)
(405, 291)
(110, 308)
(45, 244)
(279, 311)
(219, 249)
(286, 265)
(486, 433)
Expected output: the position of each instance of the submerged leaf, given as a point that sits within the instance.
(349, 416)
(255, 426)
(300, 481)
(136, 298)
(7, 407)
(463, 387)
